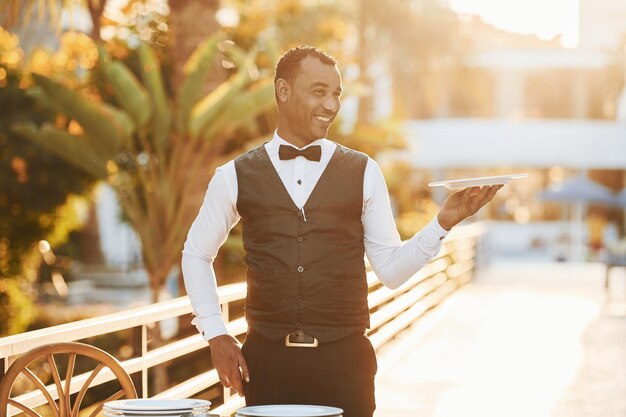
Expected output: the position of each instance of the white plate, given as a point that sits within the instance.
(168, 413)
(476, 182)
(288, 410)
(160, 413)
(156, 406)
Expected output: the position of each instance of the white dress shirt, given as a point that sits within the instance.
(393, 261)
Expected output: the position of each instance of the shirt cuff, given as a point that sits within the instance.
(210, 327)
(433, 232)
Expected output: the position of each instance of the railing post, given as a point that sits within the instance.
(139, 336)
(144, 368)
(135, 341)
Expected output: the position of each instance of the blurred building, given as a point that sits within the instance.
(602, 24)
(527, 105)
(509, 75)
(547, 83)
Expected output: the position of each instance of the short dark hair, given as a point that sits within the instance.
(289, 63)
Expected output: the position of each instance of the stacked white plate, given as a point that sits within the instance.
(156, 408)
(289, 410)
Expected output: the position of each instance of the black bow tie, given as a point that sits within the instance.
(312, 153)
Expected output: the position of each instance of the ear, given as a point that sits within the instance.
(283, 90)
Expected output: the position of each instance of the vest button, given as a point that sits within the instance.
(300, 269)
(300, 238)
(300, 213)
(298, 324)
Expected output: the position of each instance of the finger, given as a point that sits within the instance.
(237, 382)
(490, 194)
(494, 190)
(224, 379)
(244, 368)
(484, 191)
(481, 194)
(474, 190)
(473, 203)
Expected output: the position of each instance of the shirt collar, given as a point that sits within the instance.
(277, 141)
(328, 147)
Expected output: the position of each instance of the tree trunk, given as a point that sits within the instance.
(191, 22)
(96, 9)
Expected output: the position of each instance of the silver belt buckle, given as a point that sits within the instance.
(300, 339)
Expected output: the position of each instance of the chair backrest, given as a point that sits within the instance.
(58, 395)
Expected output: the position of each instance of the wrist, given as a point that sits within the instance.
(220, 338)
(445, 222)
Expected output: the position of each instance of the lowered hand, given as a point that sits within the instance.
(229, 362)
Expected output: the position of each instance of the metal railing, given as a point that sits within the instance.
(391, 312)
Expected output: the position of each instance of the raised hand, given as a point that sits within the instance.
(229, 362)
(465, 203)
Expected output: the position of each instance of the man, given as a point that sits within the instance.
(310, 211)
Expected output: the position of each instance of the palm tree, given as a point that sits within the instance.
(156, 150)
(145, 145)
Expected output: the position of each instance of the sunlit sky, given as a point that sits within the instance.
(545, 18)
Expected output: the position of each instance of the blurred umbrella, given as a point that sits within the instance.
(579, 191)
(621, 198)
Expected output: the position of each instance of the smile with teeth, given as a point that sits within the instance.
(324, 119)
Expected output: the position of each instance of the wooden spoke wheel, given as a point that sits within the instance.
(59, 394)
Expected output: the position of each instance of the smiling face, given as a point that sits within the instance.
(309, 103)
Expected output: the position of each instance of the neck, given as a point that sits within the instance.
(292, 139)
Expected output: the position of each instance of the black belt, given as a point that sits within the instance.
(298, 338)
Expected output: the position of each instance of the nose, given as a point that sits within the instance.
(331, 104)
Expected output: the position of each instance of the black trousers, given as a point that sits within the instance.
(339, 374)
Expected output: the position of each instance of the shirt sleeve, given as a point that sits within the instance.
(217, 216)
(393, 261)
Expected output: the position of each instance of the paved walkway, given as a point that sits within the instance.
(527, 340)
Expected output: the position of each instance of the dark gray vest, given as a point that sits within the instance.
(307, 275)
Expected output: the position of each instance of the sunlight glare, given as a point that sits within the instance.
(545, 18)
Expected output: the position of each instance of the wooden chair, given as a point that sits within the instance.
(62, 389)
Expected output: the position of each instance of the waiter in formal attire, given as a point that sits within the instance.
(311, 209)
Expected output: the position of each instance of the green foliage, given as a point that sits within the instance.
(34, 182)
(153, 81)
(196, 69)
(154, 146)
(16, 308)
(129, 93)
(34, 187)
(106, 128)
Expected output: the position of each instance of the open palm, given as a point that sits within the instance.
(465, 203)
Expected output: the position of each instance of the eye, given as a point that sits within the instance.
(319, 92)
